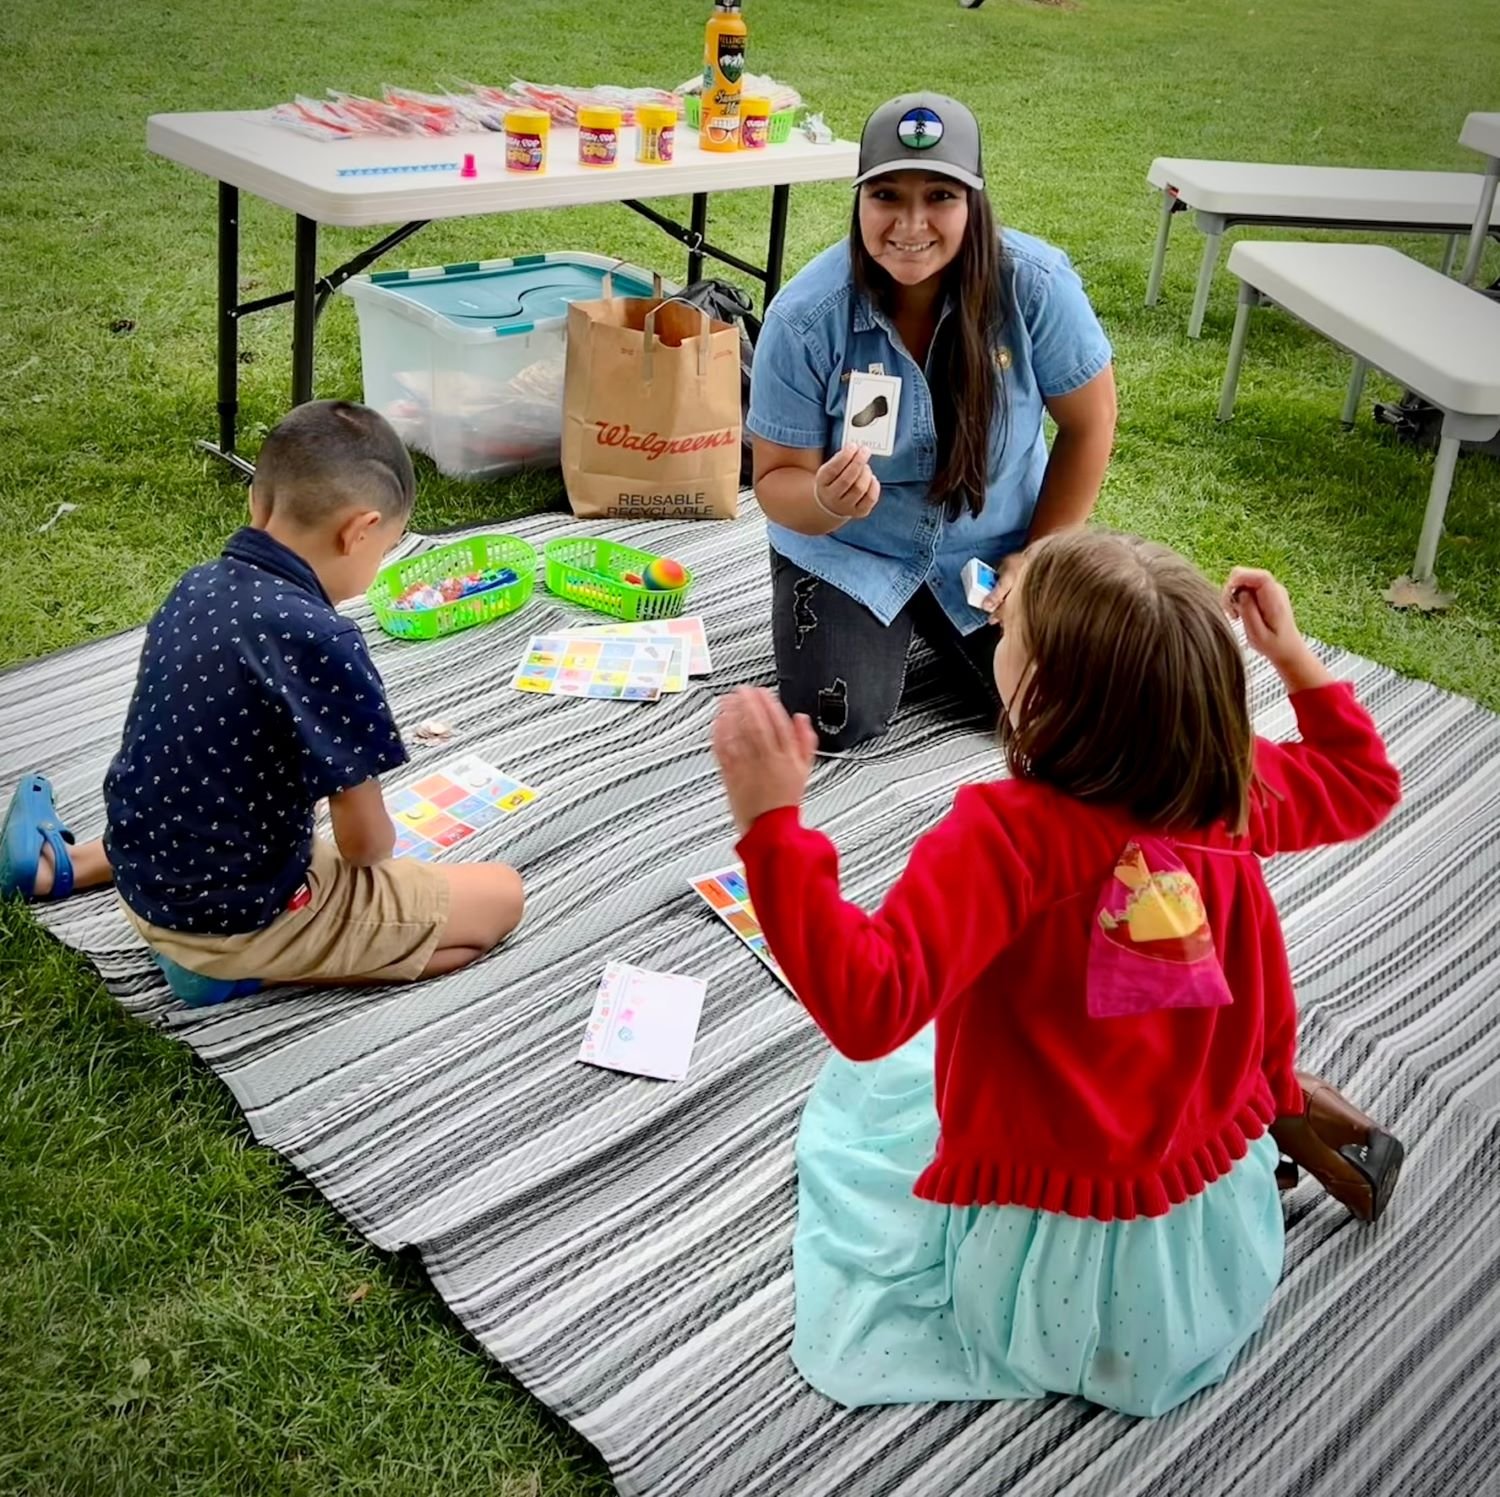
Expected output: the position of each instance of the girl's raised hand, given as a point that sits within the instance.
(1261, 603)
(764, 755)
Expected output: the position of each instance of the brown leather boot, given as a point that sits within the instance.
(1356, 1160)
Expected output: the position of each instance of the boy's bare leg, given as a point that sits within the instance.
(91, 869)
(485, 904)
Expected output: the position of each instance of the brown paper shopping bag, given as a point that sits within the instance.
(651, 411)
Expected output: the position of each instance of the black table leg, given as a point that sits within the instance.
(698, 228)
(304, 309)
(776, 250)
(229, 315)
(228, 330)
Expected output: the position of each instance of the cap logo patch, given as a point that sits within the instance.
(919, 129)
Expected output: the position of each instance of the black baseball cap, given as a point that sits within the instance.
(922, 133)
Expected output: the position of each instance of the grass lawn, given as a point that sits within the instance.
(178, 1313)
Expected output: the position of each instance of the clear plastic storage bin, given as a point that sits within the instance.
(467, 361)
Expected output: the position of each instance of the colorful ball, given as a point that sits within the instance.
(664, 574)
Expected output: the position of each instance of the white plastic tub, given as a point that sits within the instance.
(467, 361)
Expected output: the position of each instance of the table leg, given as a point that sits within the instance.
(1481, 223)
(229, 323)
(699, 229)
(1437, 505)
(1450, 254)
(1159, 255)
(1249, 297)
(1213, 235)
(304, 309)
(1356, 389)
(781, 198)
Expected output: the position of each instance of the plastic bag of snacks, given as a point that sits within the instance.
(562, 101)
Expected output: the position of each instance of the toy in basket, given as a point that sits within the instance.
(453, 587)
(617, 580)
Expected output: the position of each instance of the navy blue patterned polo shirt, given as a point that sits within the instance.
(255, 699)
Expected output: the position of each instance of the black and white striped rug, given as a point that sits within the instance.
(623, 1246)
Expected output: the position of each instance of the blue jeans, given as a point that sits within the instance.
(846, 670)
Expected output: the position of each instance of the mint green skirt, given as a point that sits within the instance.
(901, 1300)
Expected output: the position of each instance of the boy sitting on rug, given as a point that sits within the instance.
(255, 700)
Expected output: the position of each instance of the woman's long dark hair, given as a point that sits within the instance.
(968, 390)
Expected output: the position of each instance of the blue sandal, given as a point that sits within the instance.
(32, 823)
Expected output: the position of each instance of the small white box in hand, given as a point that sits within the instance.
(979, 581)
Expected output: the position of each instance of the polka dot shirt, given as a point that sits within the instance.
(254, 700)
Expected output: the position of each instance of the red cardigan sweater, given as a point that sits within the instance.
(989, 931)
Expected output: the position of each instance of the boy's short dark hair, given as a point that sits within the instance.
(328, 455)
(1137, 696)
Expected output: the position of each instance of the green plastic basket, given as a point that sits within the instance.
(778, 132)
(477, 553)
(592, 572)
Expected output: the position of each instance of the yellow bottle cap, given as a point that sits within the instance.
(655, 116)
(532, 121)
(599, 117)
(760, 108)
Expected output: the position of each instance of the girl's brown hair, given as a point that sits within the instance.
(966, 385)
(1135, 694)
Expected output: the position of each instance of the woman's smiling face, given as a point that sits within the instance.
(913, 224)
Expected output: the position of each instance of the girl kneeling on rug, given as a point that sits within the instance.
(1059, 1174)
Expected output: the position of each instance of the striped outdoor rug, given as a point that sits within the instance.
(623, 1246)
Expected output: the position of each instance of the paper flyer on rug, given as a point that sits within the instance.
(447, 805)
(628, 670)
(728, 895)
(643, 1022)
(690, 629)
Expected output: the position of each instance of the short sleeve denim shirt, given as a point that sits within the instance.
(819, 329)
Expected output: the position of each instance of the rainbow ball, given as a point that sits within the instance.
(664, 575)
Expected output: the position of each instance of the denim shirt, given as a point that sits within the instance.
(819, 328)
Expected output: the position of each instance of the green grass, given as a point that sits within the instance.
(177, 1312)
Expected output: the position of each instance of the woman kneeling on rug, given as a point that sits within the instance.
(1058, 1172)
(976, 336)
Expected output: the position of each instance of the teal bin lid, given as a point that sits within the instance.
(506, 296)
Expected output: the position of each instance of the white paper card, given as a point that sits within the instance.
(870, 414)
(643, 1022)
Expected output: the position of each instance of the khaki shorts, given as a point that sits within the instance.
(379, 924)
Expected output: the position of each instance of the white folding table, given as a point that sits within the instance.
(1434, 335)
(1223, 194)
(245, 151)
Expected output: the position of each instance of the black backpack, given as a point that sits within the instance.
(727, 303)
(1416, 421)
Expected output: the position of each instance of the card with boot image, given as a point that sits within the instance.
(870, 413)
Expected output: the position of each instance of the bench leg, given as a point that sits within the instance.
(1159, 254)
(1356, 389)
(1450, 254)
(1213, 237)
(1481, 224)
(1249, 297)
(1437, 505)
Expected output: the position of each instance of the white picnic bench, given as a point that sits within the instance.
(1224, 194)
(1434, 335)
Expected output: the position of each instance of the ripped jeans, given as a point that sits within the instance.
(846, 670)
